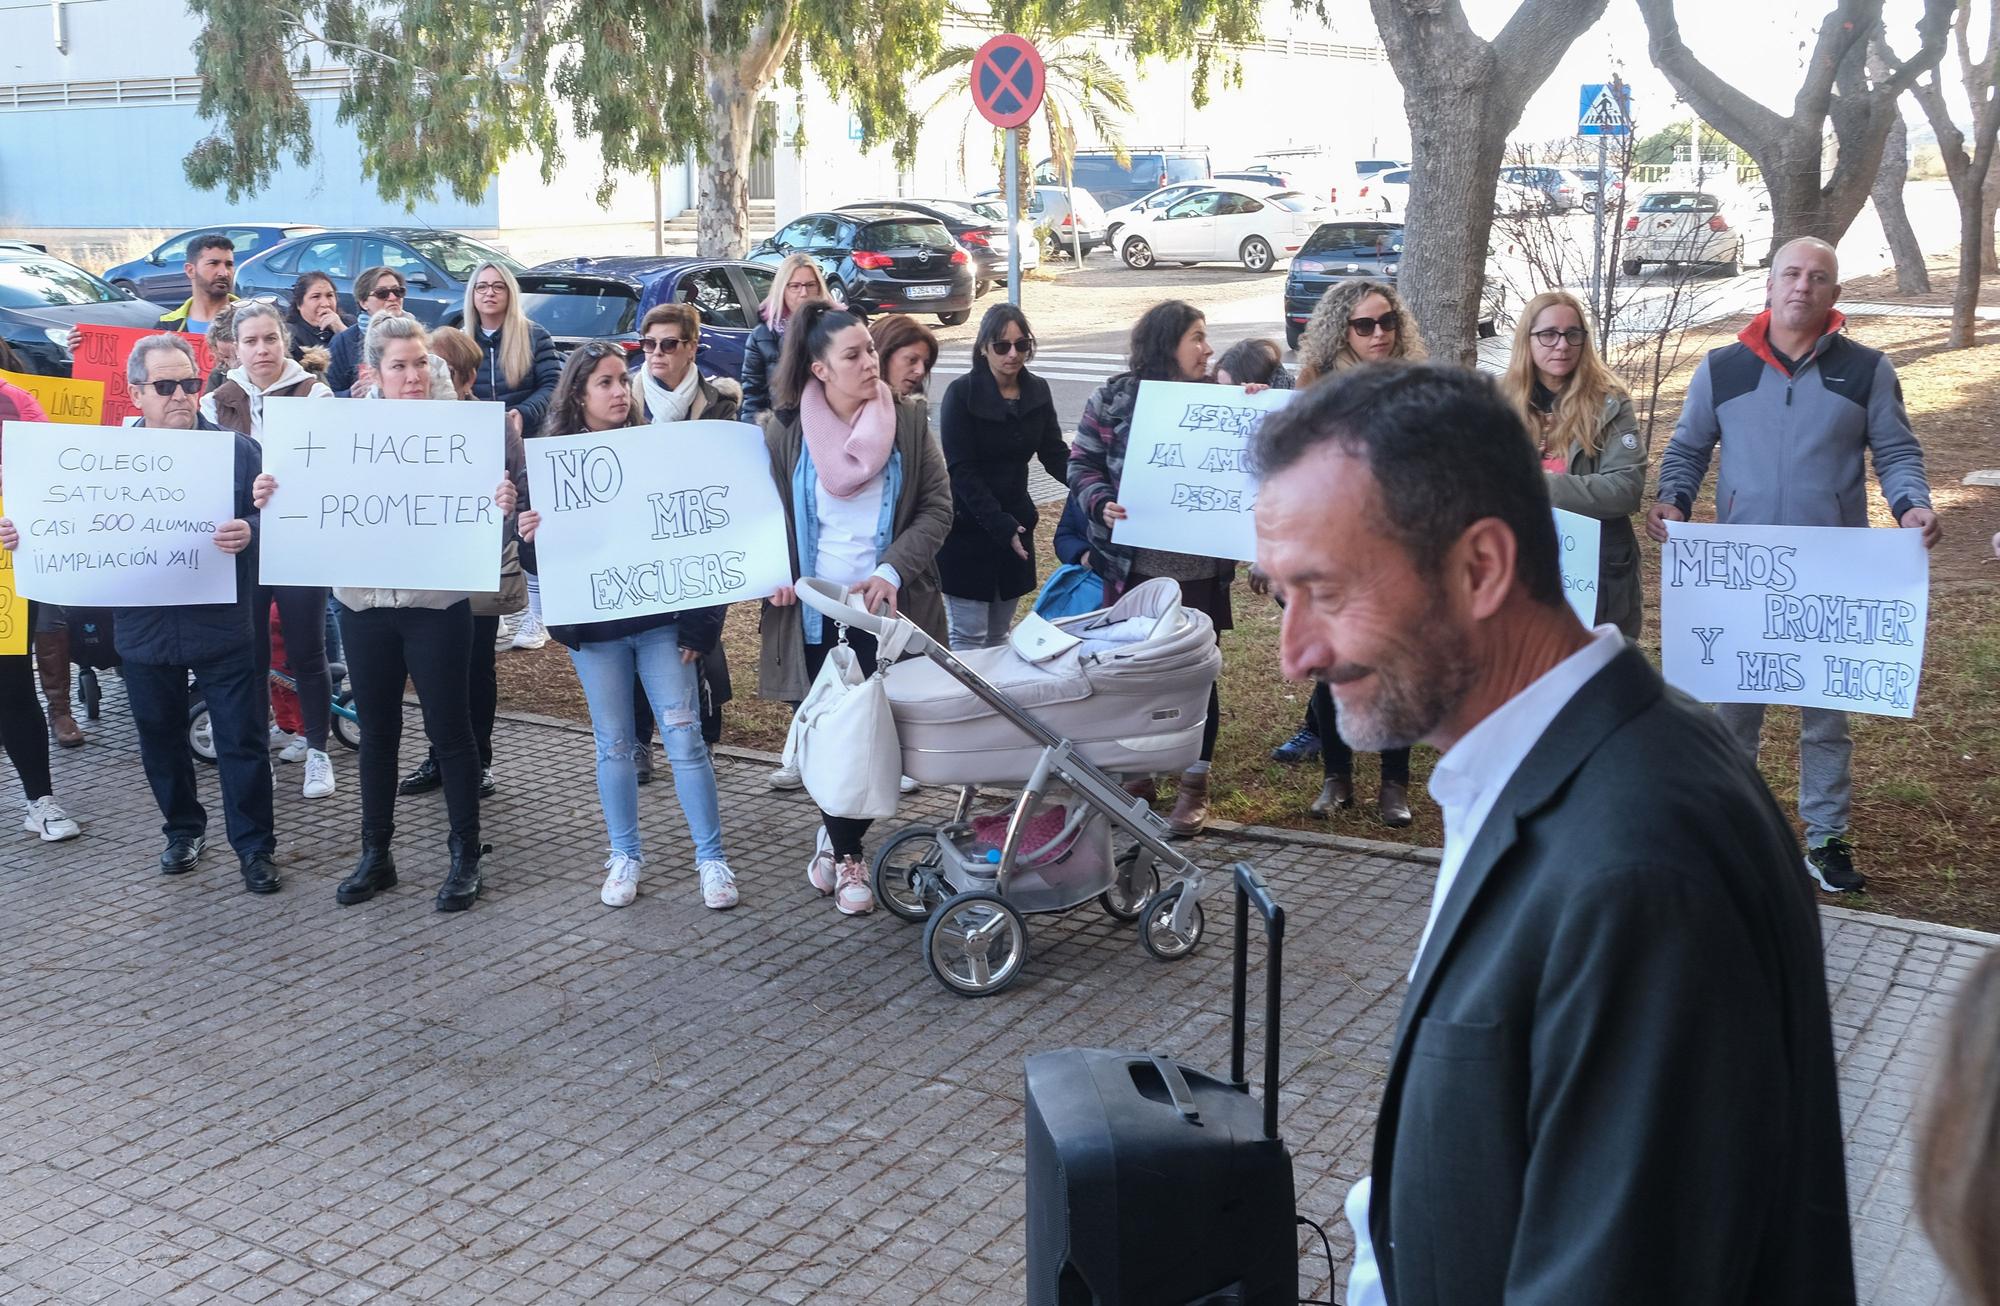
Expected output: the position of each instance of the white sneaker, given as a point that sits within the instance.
(621, 886)
(820, 870)
(531, 633)
(295, 751)
(47, 819)
(503, 634)
(907, 785)
(718, 885)
(785, 777)
(319, 775)
(279, 740)
(854, 897)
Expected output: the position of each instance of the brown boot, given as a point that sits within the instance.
(52, 661)
(1394, 804)
(1145, 788)
(1190, 812)
(1336, 794)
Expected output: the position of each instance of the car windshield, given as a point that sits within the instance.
(957, 212)
(460, 256)
(991, 210)
(1679, 201)
(1291, 201)
(50, 283)
(580, 311)
(901, 235)
(1355, 240)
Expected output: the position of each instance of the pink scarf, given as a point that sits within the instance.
(848, 457)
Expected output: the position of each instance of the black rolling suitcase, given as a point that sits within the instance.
(1151, 1183)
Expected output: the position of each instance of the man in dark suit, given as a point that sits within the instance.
(1613, 1079)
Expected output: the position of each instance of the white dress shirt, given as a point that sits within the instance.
(1466, 782)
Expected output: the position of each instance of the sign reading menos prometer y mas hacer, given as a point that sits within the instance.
(657, 518)
(1187, 485)
(1808, 615)
(383, 493)
(114, 516)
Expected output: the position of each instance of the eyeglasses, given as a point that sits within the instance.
(1026, 344)
(486, 287)
(664, 345)
(1550, 337)
(1368, 326)
(187, 385)
(386, 292)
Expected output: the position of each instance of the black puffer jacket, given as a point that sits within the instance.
(306, 336)
(531, 397)
(987, 450)
(760, 360)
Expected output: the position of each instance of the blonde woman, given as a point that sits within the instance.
(1591, 447)
(518, 367)
(798, 280)
(1356, 323)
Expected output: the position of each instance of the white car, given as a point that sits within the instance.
(1682, 225)
(1393, 185)
(1146, 205)
(1229, 223)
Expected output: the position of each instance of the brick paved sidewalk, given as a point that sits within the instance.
(215, 1097)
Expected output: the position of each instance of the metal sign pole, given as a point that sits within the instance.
(1014, 216)
(1598, 299)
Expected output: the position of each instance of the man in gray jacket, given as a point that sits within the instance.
(1798, 406)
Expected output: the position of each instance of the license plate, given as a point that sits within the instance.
(927, 292)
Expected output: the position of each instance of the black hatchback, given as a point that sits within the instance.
(984, 239)
(881, 260)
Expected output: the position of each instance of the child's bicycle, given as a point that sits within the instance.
(344, 724)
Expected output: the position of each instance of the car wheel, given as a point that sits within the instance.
(955, 319)
(129, 287)
(1292, 336)
(1630, 267)
(1734, 267)
(979, 289)
(1112, 233)
(1257, 255)
(836, 291)
(1051, 250)
(1138, 255)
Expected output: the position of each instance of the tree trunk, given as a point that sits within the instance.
(734, 81)
(1989, 262)
(1912, 277)
(1975, 228)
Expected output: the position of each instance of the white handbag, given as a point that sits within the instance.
(843, 741)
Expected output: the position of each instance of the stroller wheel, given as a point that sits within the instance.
(907, 877)
(1123, 904)
(90, 692)
(976, 943)
(1156, 929)
(200, 732)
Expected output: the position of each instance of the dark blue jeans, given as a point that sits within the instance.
(238, 708)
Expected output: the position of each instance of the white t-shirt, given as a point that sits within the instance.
(847, 528)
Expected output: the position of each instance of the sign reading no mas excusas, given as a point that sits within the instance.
(1814, 616)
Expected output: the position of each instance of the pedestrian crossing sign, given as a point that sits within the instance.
(1604, 109)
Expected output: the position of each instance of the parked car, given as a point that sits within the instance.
(1393, 185)
(982, 235)
(1049, 211)
(1112, 183)
(161, 276)
(1563, 190)
(1123, 215)
(881, 260)
(1606, 189)
(1365, 168)
(582, 299)
(42, 297)
(1364, 247)
(1231, 222)
(434, 264)
(1690, 226)
(1322, 173)
(1512, 199)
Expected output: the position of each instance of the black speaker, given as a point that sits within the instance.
(1151, 1183)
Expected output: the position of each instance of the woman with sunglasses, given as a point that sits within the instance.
(1590, 443)
(660, 651)
(380, 293)
(798, 280)
(996, 420)
(1356, 323)
(1169, 343)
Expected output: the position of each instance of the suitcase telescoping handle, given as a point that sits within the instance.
(1250, 888)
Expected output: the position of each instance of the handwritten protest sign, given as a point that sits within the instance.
(388, 493)
(1187, 484)
(101, 354)
(1815, 616)
(13, 606)
(64, 400)
(655, 519)
(114, 516)
(1580, 538)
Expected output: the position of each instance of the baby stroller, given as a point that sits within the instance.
(1060, 710)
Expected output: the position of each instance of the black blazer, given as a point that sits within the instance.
(1613, 1080)
(987, 452)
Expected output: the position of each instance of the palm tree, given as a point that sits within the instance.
(1082, 87)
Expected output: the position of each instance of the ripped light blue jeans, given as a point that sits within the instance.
(606, 669)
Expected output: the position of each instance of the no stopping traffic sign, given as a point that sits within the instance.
(1008, 80)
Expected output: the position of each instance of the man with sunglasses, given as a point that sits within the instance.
(161, 646)
(381, 292)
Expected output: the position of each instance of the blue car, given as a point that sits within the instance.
(161, 276)
(583, 299)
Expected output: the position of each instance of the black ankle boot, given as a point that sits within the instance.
(375, 872)
(461, 886)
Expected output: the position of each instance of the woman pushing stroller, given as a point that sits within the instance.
(867, 505)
